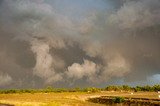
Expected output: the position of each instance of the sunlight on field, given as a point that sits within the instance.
(46, 99)
(65, 98)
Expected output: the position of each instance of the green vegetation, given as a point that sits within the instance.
(49, 89)
(118, 99)
(154, 88)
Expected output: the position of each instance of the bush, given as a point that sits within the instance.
(118, 100)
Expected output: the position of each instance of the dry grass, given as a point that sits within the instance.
(66, 98)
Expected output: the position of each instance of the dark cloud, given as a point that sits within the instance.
(82, 43)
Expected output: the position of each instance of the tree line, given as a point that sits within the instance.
(147, 88)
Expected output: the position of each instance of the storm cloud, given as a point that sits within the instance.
(78, 43)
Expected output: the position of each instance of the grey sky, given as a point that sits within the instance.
(68, 43)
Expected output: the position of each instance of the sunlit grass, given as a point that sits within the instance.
(65, 98)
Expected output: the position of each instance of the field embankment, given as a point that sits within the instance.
(125, 101)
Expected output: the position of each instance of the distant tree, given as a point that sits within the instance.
(138, 88)
(126, 88)
(156, 88)
(147, 88)
(113, 88)
(77, 89)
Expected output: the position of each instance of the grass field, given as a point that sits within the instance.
(66, 98)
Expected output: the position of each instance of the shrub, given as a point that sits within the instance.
(118, 100)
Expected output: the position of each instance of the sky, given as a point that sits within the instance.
(79, 43)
